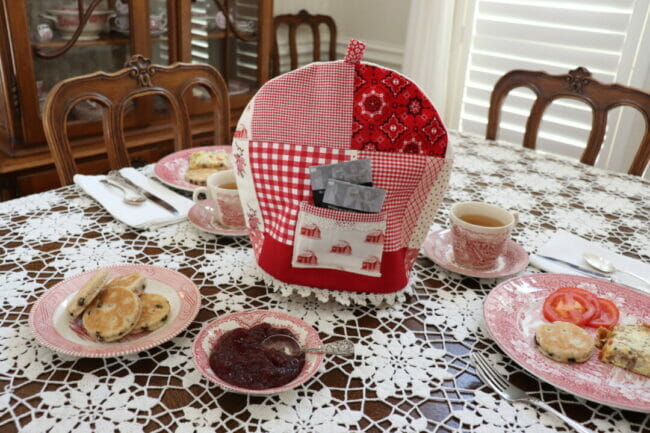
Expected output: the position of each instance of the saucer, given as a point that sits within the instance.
(203, 220)
(437, 247)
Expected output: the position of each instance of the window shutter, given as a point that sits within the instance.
(555, 36)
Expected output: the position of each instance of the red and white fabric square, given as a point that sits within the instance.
(281, 178)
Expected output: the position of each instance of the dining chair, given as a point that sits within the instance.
(577, 84)
(294, 21)
(114, 91)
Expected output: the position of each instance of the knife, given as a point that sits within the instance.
(154, 198)
(576, 267)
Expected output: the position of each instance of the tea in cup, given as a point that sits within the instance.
(479, 233)
(224, 204)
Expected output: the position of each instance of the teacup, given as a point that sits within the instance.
(479, 233)
(222, 191)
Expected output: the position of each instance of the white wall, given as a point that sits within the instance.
(381, 24)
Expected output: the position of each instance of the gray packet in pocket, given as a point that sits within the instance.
(349, 196)
(357, 171)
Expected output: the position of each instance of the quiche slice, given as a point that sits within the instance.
(209, 159)
(627, 346)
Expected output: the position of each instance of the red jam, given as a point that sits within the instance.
(239, 359)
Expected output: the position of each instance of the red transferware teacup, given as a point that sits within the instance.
(222, 190)
(479, 233)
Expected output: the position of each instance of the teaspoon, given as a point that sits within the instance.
(604, 265)
(129, 198)
(291, 347)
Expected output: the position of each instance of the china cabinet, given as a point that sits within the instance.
(45, 41)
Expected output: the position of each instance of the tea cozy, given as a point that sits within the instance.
(325, 113)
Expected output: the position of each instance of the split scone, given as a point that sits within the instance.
(87, 293)
(113, 314)
(155, 311)
(564, 342)
(134, 282)
(627, 346)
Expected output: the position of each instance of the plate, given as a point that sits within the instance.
(211, 332)
(54, 328)
(437, 247)
(171, 169)
(203, 220)
(513, 310)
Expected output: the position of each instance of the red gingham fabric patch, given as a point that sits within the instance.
(354, 54)
(391, 114)
(281, 177)
(400, 175)
(311, 106)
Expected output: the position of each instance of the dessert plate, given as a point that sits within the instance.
(203, 220)
(437, 247)
(171, 169)
(53, 327)
(211, 332)
(513, 310)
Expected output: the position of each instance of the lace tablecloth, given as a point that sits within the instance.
(412, 372)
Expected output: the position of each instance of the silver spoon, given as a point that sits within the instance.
(291, 347)
(604, 265)
(128, 196)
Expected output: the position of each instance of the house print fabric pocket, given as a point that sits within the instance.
(342, 240)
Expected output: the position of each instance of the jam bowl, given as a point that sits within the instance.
(219, 334)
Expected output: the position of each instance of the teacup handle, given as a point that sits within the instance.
(515, 215)
(200, 190)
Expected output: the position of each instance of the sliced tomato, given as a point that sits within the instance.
(587, 294)
(569, 306)
(608, 316)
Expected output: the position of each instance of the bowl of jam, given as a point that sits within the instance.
(229, 352)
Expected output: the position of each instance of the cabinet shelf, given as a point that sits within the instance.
(117, 39)
(110, 39)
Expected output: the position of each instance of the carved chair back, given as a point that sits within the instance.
(577, 84)
(114, 91)
(294, 21)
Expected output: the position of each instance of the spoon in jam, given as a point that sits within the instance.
(288, 345)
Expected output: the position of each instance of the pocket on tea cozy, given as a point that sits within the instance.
(342, 240)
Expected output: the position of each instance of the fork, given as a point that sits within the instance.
(510, 392)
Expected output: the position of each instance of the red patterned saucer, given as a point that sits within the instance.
(211, 332)
(171, 169)
(437, 247)
(203, 220)
(513, 310)
(52, 326)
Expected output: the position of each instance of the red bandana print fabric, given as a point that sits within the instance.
(391, 114)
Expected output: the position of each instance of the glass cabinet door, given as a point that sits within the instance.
(225, 34)
(100, 46)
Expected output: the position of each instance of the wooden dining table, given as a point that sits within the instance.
(412, 370)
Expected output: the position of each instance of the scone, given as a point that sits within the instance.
(87, 293)
(199, 176)
(134, 282)
(113, 314)
(155, 311)
(564, 342)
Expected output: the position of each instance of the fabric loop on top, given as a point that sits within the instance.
(354, 54)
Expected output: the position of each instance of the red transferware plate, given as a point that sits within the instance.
(513, 310)
(171, 169)
(52, 326)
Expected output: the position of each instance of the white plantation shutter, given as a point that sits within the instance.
(555, 36)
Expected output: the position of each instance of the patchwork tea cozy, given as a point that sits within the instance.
(326, 113)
